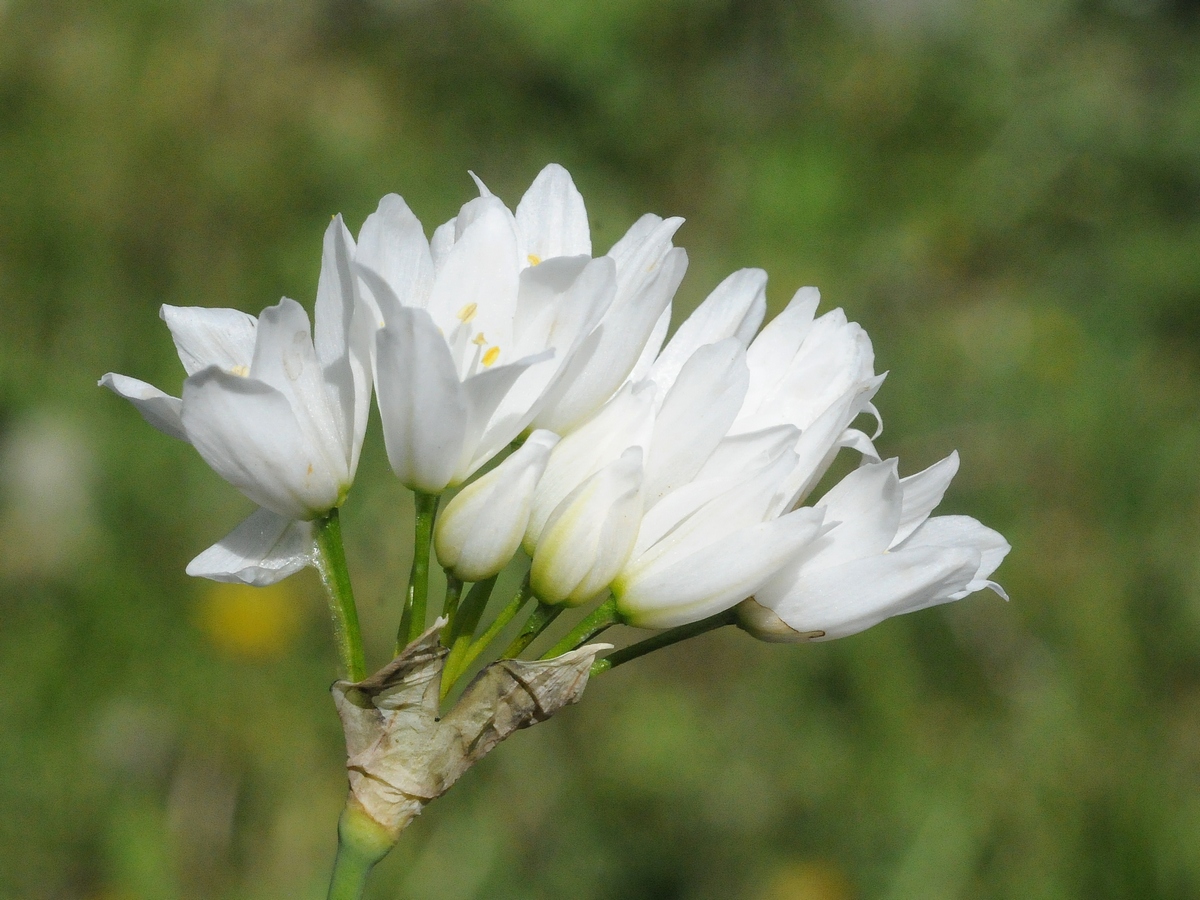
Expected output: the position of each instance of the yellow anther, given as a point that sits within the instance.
(479, 340)
(491, 356)
(534, 259)
(467, 313)
(242, 371)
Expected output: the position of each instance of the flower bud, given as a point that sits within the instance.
(481, 528)
(590, 534)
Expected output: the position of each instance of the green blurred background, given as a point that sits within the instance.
(1005, 193)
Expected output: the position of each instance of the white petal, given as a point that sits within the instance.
(835, 356)
(646, 241)
(854, 596)
(773, 350)
(284, 358)
(743, 501)
(736, 305)
(747, 467)
(552, 218)
(565, 324)
(486, 433)
(853, 439)
(343, 346)
(422, 404)
(963, 531)
(159, 409)
(737, 454)
(697, 411)
(623, 422)
(392, 244)
(443, 239)
(714, 577)
(211, 337)
(590, 534)
(641, 369)
(541, 293)
(922, 493)
(246, 431)
(866, 505)
(263, 549)
(819, 441)
(480, 530)
(590, 381)
(477, 282)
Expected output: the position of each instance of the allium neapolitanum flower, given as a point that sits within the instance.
(277, 414)
(680, 493)
(503, 321)
(885, 556)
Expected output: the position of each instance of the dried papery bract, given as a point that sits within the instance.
(401, 754)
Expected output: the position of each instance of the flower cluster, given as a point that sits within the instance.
(668, 480)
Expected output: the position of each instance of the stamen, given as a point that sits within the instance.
(491, 356)
(534, 259)
(241, 371)
(467, 313)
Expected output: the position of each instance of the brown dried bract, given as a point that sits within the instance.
(400, 754)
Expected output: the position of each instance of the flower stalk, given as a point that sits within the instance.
(523, 596)
(541, 618)
(664, 639)
(460, 630)
(601, 618)
(335, 576)
(412, 622)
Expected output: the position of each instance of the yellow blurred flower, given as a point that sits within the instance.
(250, 622)
(809, 881)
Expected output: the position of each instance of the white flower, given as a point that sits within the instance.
(884, 557)
(503, 322)
(481, 528)
(278, 416)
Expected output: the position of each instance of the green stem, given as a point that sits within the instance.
(450, 606)
(331, 563)
(362, 842)
(412, 622)
(506, 615)
(459, 632)
(602, 617)
(664, 639)
(538, 622)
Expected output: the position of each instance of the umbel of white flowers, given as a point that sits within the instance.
(665, 483)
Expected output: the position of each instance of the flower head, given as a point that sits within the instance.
(277, 413)
(501, 322)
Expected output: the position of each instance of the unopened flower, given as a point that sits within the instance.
(481, 528)
(884, 557)
(590, 534)
(278, 415)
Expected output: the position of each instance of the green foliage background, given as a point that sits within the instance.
(1005, 193)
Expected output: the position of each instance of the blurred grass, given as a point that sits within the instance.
(1007, 195)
